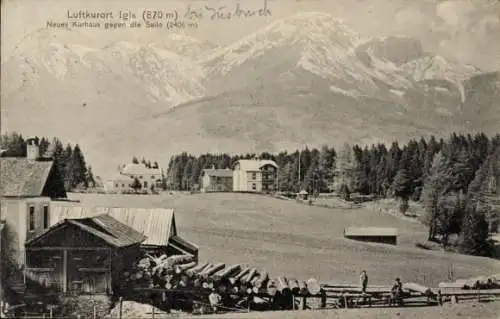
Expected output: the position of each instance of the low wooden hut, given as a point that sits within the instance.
(303, 195)
(81, 256)
(372, 234)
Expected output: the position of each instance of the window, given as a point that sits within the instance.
(31, 217)
(254, 187)
(45, 216)
(145, 184)
(116, 185)
(123, 185)
(254, 175)
(140, 177)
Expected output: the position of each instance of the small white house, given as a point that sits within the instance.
(129, 172)
(147, 176)
(118, 183)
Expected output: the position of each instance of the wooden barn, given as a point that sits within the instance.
(81, 256)
(86, 250)
(372, 234)
(157, 224)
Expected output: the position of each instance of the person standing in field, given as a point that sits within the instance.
(364, 281)
(396, 293)
(363, 278)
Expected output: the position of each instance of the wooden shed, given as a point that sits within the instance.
(81, 256)
(303, 194)
(372, 234)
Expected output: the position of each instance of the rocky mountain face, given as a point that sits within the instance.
(306, 79)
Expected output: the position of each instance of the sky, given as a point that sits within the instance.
(467, 31)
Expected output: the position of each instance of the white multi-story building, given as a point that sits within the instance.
(255, 176)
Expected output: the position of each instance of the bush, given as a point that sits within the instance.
(403, 207)
(83, 305)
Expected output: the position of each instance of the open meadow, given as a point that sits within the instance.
(297, 240)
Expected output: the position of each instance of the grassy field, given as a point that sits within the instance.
(296, 240)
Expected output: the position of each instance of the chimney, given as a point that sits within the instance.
(32, 151)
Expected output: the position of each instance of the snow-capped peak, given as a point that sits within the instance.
(123, 45)
(312, 35)
(437, 67)
(183, 45)
(43, 38)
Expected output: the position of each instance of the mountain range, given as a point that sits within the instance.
(306, 79)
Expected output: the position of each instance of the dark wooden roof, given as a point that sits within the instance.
(21, 177)
(370, 231)
(157, 224)
(183, 245)
(104, 227)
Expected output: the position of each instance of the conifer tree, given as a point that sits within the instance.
(474, 235)
(430, 194)
(57, 155)
(136, 185)
(79, 168)
(324, 169)
(402, 188)
(346, 165)
(69, 167)
(90, 177)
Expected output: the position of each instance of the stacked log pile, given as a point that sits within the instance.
(184, 273)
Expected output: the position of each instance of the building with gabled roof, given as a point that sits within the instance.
(27, 187)
(118, 182)
(103, 226)
(86, 248)
(81, 256)
(156, 224)
(255, 176)
(123, 180)
(216, 180)
(23, 177)
(147, 176)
